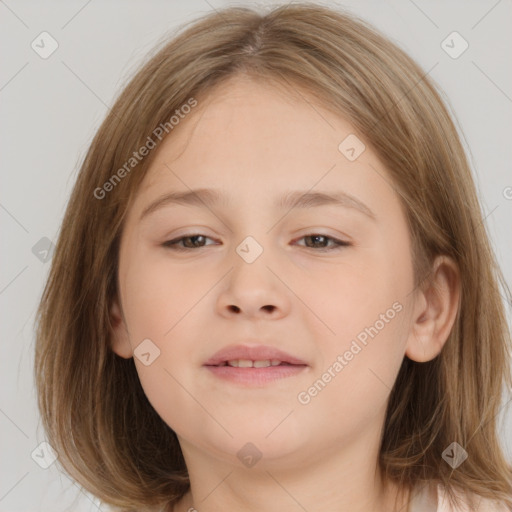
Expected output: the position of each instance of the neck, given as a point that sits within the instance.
(341, 480)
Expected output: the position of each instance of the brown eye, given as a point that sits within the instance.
(319, 241)
(190, 242)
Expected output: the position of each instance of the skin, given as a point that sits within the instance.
(255, 142)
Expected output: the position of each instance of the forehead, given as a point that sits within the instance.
(252, 128)
(255, 142)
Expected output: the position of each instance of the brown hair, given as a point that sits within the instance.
(96, 415)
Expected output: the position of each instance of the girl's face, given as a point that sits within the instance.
(256, 272)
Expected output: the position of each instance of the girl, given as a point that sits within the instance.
(273, 288)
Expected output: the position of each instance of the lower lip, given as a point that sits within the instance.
(255, 376)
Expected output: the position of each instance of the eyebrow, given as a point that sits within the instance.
(295, 199)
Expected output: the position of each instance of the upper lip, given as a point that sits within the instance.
(252, 353)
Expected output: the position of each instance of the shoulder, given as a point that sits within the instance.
(481, 504)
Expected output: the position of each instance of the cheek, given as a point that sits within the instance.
(366, 308)
(357, 374)
(165, 304)
(159, 294)
(354, 295)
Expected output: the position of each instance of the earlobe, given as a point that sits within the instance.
(119, 338)
(435, 312)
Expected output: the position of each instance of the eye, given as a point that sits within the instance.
(317, 238)
(190, 242)
(197, 241)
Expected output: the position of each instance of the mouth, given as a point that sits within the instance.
(248, 363)
(254, 365)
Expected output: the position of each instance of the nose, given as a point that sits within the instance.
(254, 290)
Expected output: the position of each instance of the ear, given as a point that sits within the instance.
(435, 311)
(120, 340)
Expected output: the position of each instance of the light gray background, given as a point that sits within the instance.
(52, 107)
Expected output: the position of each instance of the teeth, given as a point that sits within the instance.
(247, 363)
(261, 364)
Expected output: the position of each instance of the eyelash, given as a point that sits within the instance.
(173, 244)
